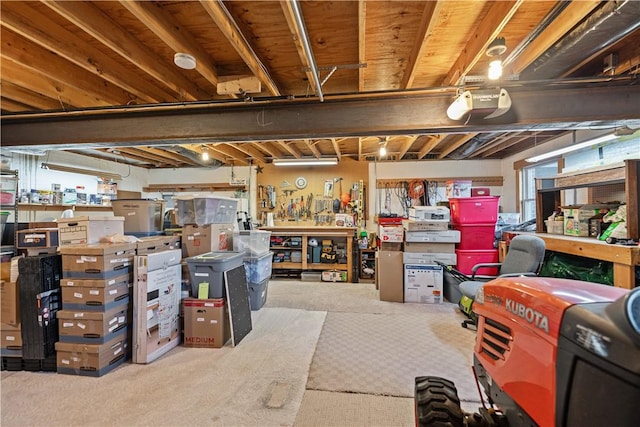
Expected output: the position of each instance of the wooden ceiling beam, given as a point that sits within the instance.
(37, 59)
(231, 152)
(500, 13)
(567, 19)
(290, 149)
(223, 19)
(430, 145)
(28, 97)
(199, 148)
(29, 23)
(12, 105)
(150, 153)
(268, 147)
(336, 148)
(459, 141)
(421, 44)
(108, 32)
(409, 140)
(313, 148)
(169, 156)
(250, 151)
(174, 35)
(67, 96)
(97, 154)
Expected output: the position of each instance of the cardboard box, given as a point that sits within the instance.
(391, 233)
(428, 258)
(447, 236)
(92, 327)
(334, 276)
(391, 246)
(10, 307)
(153, 244)
(455, 189)
(423, 284)
(428, 247)
(36, 238)
(156, 310)
(411, 225)
(10, 339)
(92, 360)
(576, 218)
(140, 215)
(97, 260)
(200, 239)
(206, 323)
(429, 213)
(389, 275)
(91, 298)
(84, 229)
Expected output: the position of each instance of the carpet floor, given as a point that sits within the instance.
(302, 364)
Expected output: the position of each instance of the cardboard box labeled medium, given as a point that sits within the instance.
(206, 323)
(156, 309)
(389, 275)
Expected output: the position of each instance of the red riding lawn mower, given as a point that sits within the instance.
(548, 352)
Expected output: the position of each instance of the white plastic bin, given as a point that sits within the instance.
(258, 268)
(203, 210)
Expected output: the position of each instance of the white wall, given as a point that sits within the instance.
(510, 190)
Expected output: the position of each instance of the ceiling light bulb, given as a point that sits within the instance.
(495, 69)
(184, 60)
(383, 151)
(205, 155)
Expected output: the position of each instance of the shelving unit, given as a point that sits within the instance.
(10, 186)
(367, 265)
(625, 259)
(345, 235)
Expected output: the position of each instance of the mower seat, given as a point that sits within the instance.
(524, 258)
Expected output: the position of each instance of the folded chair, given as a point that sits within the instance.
(524, 258)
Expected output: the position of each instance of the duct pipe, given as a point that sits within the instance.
(472, 146)
(194, 157)
(604, 27)
(306, 45)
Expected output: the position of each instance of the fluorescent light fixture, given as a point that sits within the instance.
(571, 148)
(330, 161)
(61, 168)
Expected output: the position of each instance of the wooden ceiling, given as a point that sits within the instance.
(69, 56)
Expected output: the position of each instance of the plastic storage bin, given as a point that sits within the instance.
(468, 258)
(476, 236)
(140, 215)
(252, 242)
(209, 269)
(474, 210)
(258, 294)
(258, 268)
(206, 210)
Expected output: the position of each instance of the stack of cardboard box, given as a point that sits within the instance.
(96, 310)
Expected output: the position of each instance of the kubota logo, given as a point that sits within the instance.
(527, 313)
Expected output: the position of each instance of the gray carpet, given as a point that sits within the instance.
(383, 353)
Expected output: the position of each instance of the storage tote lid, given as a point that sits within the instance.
(217, 257)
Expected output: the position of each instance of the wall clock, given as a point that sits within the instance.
(301, 182)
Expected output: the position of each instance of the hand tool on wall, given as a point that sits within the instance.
(337, 202)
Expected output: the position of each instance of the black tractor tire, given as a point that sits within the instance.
(437, 403)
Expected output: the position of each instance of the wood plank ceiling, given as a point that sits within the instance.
(77, 55)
